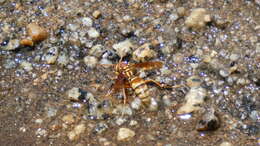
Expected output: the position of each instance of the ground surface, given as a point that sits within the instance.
(225, 54)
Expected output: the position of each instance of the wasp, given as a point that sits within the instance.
(128, 77)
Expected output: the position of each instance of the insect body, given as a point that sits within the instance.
(127, 77)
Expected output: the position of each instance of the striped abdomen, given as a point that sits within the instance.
(141, 89)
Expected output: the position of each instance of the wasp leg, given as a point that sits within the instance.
(125, 95)
(161, 85)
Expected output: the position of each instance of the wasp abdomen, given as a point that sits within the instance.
(141, 89)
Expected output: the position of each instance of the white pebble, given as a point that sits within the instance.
(26, 66)
(123, 48)
(63, 59)
(93, 33)
(90, 61)
(87, 21)
(136, 103)
(51, 55)
(125, 134)
(133, 123)
(225, 143)
(193, 98)
(12, 45)
(74, 93)
(120, 121)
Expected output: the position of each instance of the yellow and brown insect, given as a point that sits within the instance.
(127, 77)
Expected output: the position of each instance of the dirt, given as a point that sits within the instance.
(33, 102)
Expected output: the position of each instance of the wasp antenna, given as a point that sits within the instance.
(106, 65)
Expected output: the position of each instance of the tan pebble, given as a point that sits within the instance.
(181, 11)
(68, 119)
(144, 53)
(75, 133)
(178, 58)
(26, 42)
(36, 32)
(96, 14)
(198, 18)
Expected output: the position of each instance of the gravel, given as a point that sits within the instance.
(123, 48)
(12, 45)
(76, 132)
(193, 98)
(198, 18)
(210, 48)
(125, 134)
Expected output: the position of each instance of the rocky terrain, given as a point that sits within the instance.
(56, 72)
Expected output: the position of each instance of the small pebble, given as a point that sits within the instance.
(38, 121)
(123, 110)
(224, 73)
(93, 33)
(9, 64)
(51, 55)
(36, 32)
(225, 143)
(153, 105)
(181, 11)
(90, 61)
(100, 127)
(87, 21)
(133, 123)
(51, 112)
(105, 61)
(120, 121)
(75, 133)
(123, 48)
(193, 98)
(26, 42)
(255, 115)
(167, 101)
(73, 27)
(96, 14)
(68, 119)
(63, 59)
(136, 103)
(12, 45)
(209, 121)
(125, 134)
(198, 18)
(144, 53)
(74, 94)
(27, 66)
(41, 132)
(97, 50)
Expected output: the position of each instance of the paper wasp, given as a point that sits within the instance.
(128, 77)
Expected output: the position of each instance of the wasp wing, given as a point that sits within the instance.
(148, 65)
